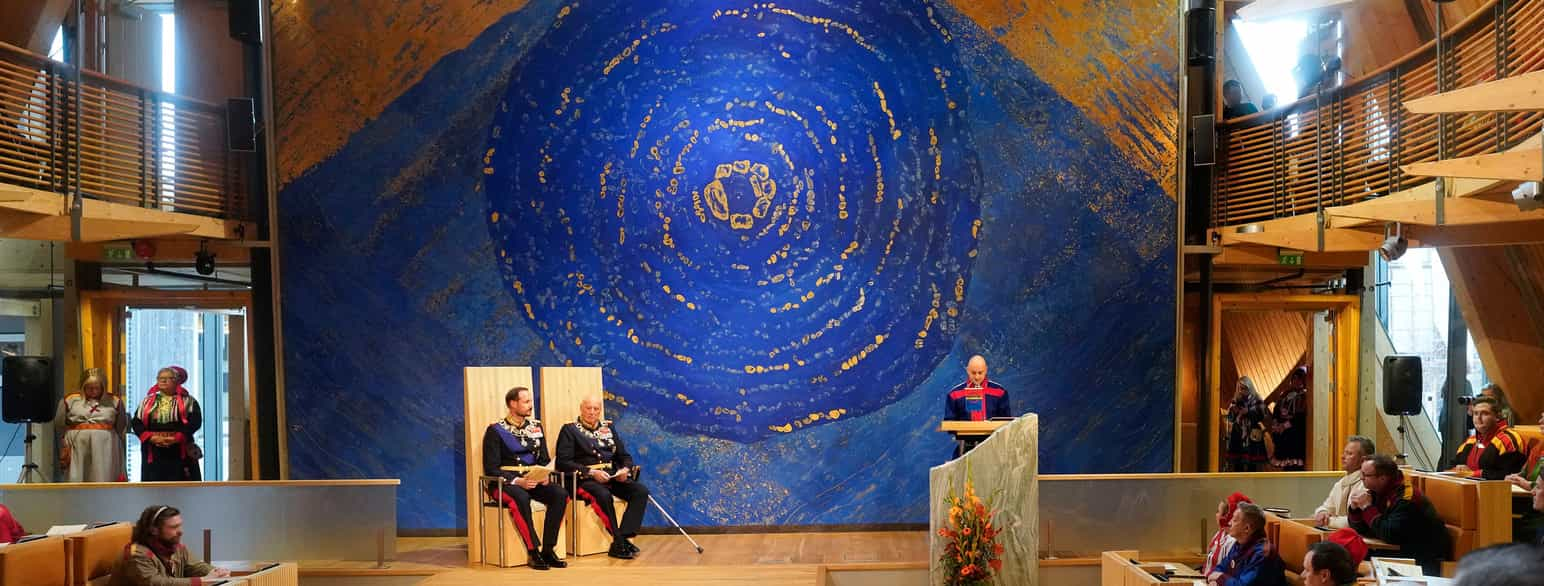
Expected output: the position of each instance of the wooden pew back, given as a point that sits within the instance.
(92, 553)
(34, 563)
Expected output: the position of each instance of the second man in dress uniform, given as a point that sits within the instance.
(591, 448)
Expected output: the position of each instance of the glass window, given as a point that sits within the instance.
(1416, 315)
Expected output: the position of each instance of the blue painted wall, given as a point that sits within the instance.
(780, 230)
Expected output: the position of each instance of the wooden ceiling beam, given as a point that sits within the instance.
(1519, 93)
(43, 215)
(1517, 165)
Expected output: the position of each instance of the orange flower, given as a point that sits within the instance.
(997, 549)
(965, 531)
(997, 565)
(965, 571)
(942, 532)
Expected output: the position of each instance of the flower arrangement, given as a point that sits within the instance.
(971, 553)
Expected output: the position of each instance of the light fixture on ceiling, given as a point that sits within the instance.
(1528, 196)
(1394, 242)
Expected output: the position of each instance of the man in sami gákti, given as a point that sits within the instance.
(977, 399)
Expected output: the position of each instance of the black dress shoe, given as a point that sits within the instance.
(552, 560)
(534, 560)
(631, 546)
(619, 550)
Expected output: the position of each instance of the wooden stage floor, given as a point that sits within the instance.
(765, 559)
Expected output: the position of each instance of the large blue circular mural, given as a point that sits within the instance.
(757, 217)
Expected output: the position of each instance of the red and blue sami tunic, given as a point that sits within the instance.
(968, 403)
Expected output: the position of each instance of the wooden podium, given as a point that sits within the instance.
(970, 431)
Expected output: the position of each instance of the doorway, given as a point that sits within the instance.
(198, 340)
(133, 334)
(1265, 337)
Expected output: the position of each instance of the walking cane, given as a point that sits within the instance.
(673, 522)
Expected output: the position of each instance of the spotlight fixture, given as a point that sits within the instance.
(1394, 242)
(203, 260)
(1527, 196)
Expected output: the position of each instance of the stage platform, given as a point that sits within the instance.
(764, 559)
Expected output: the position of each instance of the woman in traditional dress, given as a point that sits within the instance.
(1245, 447)
(165, 424)
(93, 423)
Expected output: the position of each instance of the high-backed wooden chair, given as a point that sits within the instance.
(1476, 513)
(1292, 543)
(39, 562)
(562, 388)
(92, 553)
(484, 404)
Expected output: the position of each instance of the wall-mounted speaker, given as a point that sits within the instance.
(1402, 385)
(241, 124)
(1201, 36)
(27, 389)
(1203, 140)
(245, 20)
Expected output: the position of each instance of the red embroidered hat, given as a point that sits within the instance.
(1349, 539)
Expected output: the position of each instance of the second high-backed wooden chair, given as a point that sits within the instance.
(562, 388)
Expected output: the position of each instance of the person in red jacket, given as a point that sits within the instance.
(1495, 450)
(10, 530)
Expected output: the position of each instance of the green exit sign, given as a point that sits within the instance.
(117, 252)
(1289, 258)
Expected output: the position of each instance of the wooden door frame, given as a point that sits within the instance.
(103, 337)
(1348, 317)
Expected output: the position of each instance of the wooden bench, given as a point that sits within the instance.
(1477, 513)
(1121, 568)
(91, 554)
(39, 562)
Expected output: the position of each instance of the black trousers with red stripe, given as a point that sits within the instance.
(519, 502)
(635, 494)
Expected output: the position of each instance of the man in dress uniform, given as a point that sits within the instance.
(591, 448)
(512, 447)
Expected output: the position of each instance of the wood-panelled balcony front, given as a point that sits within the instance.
(146, 163)
(1330, 171)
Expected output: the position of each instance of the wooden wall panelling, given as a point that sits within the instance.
(1500, 291)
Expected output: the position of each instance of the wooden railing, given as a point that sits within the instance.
(113, 141)
(1347, 144)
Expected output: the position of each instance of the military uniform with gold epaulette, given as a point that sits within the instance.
(584, 449)
(512, 450)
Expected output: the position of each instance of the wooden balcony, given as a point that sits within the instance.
(144, 163)
(1330, 171)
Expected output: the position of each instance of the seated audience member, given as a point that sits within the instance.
(1495, 450)
(1268, 102)
(155, 555)
(1328, 564)
(1393, 511)
(1333, 512)
(1526, 522)
(1233, 104)
(1222, 542)
(1538, 507)
(1253, 560)
(1502, 565)
(10, 530)
(1352, 541)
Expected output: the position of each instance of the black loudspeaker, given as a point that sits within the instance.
(244, 20)
(1354, 281)
(1402, 385)
(241, 124)
(27, 389)
(1201, 36)
(1203, 140)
